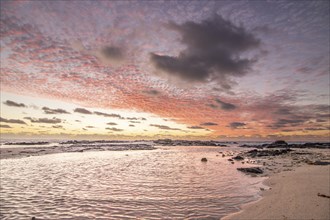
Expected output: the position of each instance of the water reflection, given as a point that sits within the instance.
(170, 182)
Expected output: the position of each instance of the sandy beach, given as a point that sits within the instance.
(301, 193)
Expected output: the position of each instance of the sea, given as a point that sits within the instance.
(169, 182)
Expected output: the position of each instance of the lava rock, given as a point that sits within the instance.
(255, 170)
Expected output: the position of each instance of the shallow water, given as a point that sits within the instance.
(170, 183)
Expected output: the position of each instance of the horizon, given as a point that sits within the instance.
(141, 70)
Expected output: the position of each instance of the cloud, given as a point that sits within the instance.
(164, 127)
(83, 111)
(237, 125)
(111, 52)
(107, 115)
(90, 126)
(294, 122)
(152, 92)
(208, 124)
(12, 121)
(54, 111)
(316, 129)
(111, 55)
(195, 127)
(114, 129)
(213, 50)
(5, 126)
(14, 104)
(57, 126)
(111, 123)
(225, 106)
(136, 122)
(44, 120)
(135, 118)
(132, 125)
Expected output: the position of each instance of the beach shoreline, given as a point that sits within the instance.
(301, 193)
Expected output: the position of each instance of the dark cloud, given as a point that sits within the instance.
(213, 50)
(12, 121)
(132, 125)
(208, 124)
(195, 127)
(82, 111)
(136, 122)
(54, 111)
(111, 123)
(225, 106)
(164, 127)
(5, 126)
(281, 123)
(44, 120)
(107, 115)
(114, 129)
(14, 104)
(132, 118)
(236, 125)
(135, 119)
(111, 52)
(90, 127)
(57, 126)
(283, 111)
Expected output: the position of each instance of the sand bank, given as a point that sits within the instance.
(292, 195)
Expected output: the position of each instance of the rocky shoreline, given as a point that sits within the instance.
(274, 160)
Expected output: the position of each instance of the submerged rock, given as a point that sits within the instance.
(255, 170)
(204, 159)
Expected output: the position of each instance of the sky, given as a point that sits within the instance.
(220, 70)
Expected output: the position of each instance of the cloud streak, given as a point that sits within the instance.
(82, 111)
(14, 104)
(165, 127)
(54, 111)
(44, 120)
(12, 121)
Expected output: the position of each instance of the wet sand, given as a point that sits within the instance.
(296, 189)
(9, 153)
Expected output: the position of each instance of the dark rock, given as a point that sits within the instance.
(255, 170)
(238, 158)
(283, 144)
(230, 160)
(263, 153)
(321, 163)
(204, 159)
(322, 195)
(280, 142)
